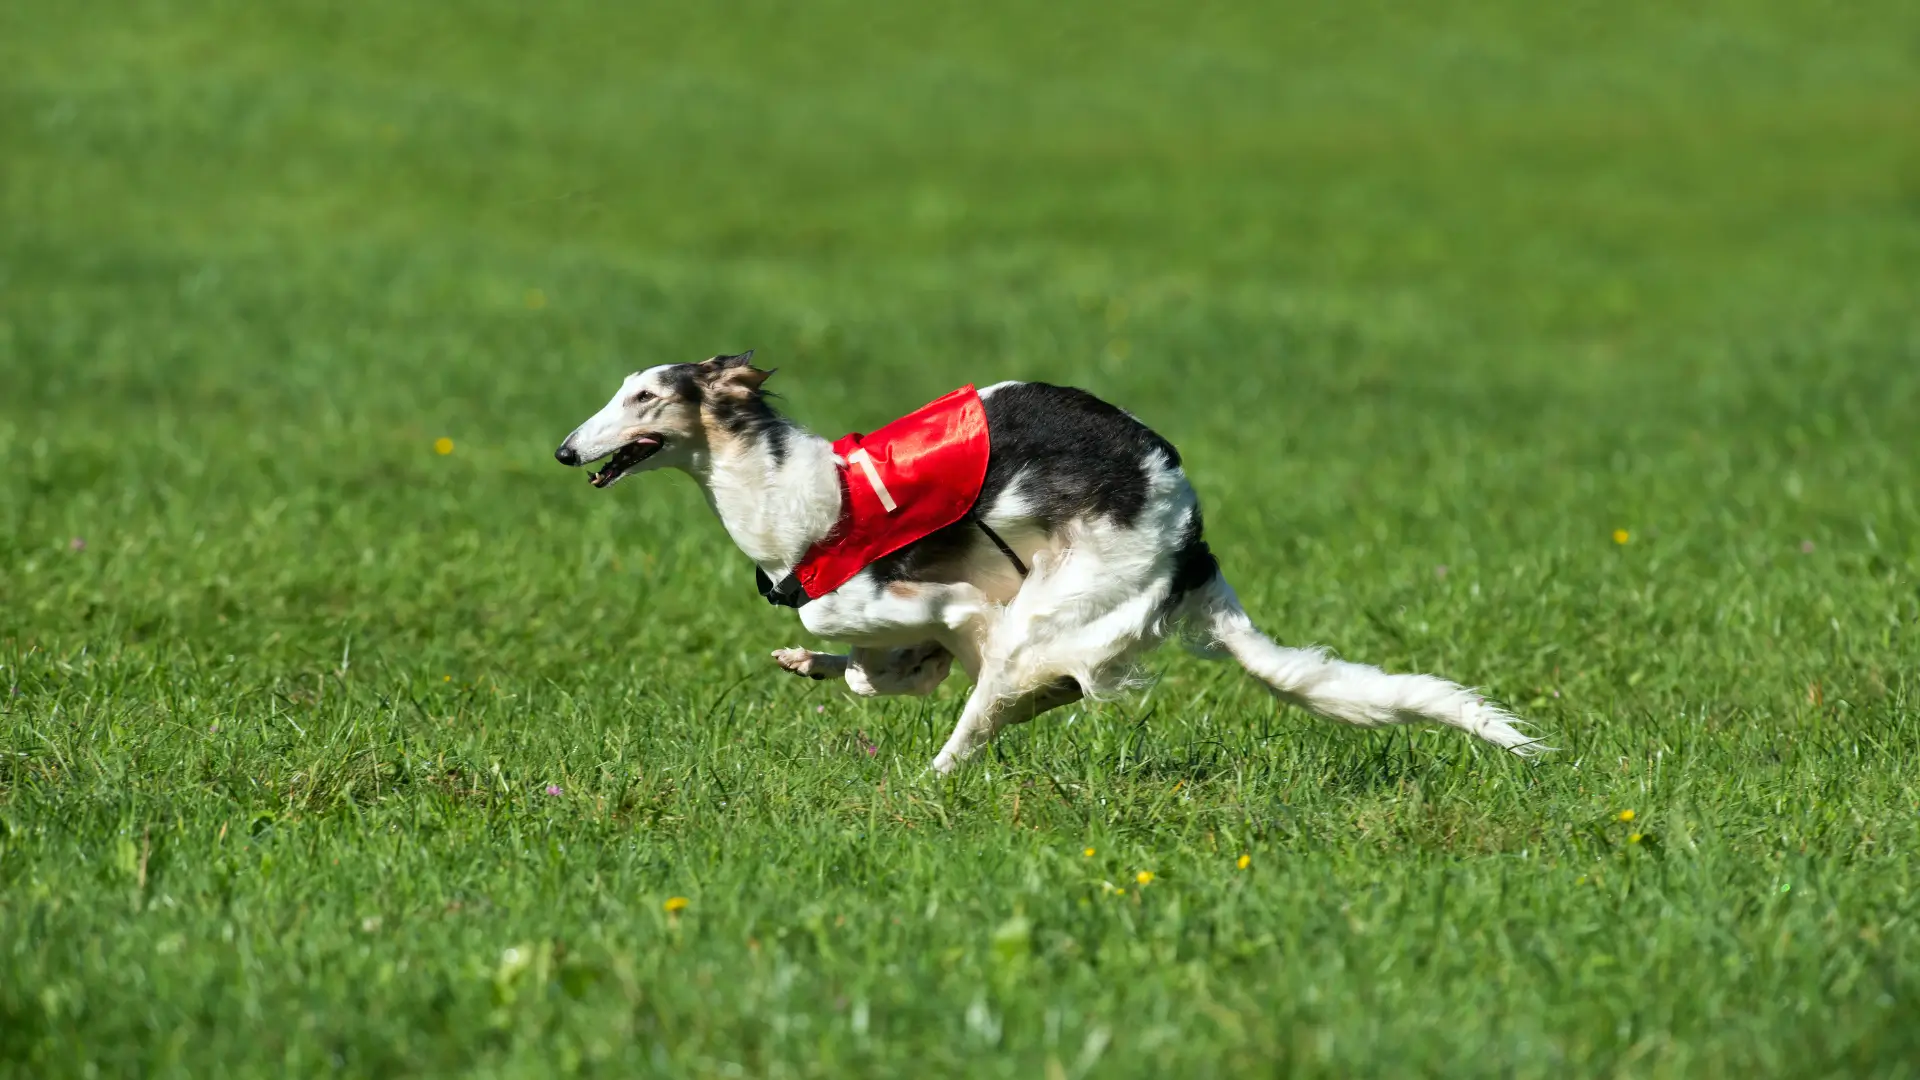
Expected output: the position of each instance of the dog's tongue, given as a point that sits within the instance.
(622, 460)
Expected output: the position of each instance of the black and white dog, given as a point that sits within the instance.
(1080, 491)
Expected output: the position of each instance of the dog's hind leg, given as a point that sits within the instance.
(987, 712)
(977, 725)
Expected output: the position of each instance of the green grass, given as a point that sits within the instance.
(1434, 301)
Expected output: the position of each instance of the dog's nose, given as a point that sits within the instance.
(566, 455)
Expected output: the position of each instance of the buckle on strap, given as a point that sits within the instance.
(784, 593)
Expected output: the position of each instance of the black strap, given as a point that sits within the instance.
(1001, 544)
(787, 593)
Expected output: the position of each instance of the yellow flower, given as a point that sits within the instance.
(675, 904)
(1119, 892)
(443, 446)
(1624, 815)
(1633, 838)
(1245, 861)
(1621, 536)
(446, 678)
(1088, 853)
(1144, 877)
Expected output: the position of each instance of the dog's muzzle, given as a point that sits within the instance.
(621, 462)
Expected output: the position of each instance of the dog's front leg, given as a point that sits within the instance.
(900, 613)
(813, 665)
(915, 670)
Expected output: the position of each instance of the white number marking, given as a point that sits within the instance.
(873, 477)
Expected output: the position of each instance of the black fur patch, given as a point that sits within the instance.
(1194, 564)
(1075, 455)
(749, 417)
(930, 558)
(685, 381)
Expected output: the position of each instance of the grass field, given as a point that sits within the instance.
(1569, 352)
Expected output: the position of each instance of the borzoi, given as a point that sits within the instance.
(1078, 549)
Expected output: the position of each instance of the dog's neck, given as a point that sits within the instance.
(775, 505)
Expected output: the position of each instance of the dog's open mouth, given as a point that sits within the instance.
(626, 459)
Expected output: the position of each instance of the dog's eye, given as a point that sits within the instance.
(643, 397)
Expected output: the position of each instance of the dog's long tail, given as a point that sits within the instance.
(1350, 693)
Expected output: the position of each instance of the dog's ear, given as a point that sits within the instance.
(727, 363)
(737, 371)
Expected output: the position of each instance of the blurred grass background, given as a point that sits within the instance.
(1434, 299)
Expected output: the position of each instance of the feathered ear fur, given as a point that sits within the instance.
(736, 371)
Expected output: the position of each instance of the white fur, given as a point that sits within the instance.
(604, 432)
(1351, 693)
(1097, 597)
(775, 512)
(1088, 610)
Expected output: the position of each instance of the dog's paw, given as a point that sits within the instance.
(798, 661)
(805, 662)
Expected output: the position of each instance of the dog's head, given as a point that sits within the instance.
(660, 417)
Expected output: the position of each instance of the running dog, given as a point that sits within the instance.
(1076, 549)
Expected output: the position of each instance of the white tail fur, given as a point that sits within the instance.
(1351, 693)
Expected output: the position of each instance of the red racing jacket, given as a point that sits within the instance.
(915, 476)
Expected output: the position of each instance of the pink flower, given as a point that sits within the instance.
(1440, 571)
(1806, 547)
(553, 789)
(78, 543)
